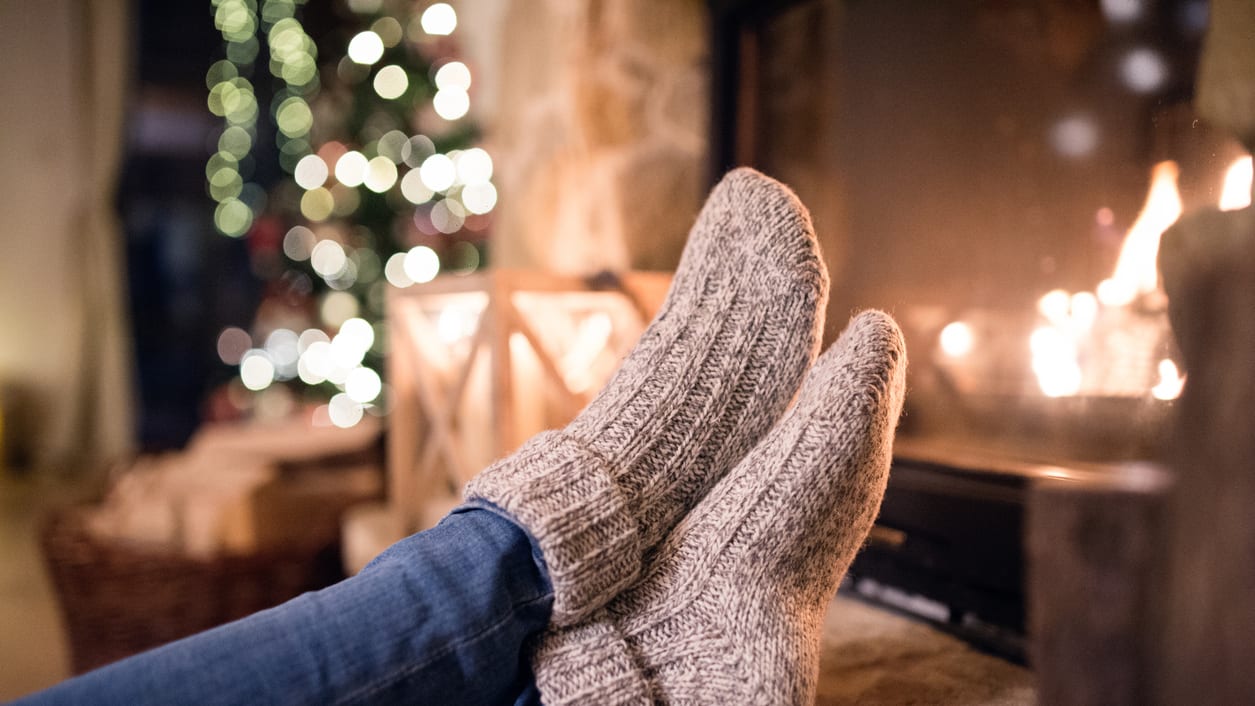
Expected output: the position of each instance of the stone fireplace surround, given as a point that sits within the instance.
(597, 113)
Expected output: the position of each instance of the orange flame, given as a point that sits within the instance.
(1135, 271)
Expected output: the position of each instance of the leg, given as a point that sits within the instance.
(433, 620)
(440, 617)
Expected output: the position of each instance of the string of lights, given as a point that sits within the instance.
(382, 188)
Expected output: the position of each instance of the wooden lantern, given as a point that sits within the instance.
(479, 363)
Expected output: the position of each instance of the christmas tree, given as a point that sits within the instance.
(346, 161)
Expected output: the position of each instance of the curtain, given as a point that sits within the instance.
(65, 369)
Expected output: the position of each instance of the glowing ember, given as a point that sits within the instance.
(1236, 193)
(1170, 381)
(1084, 310)
(1054, 306)
(956, 339)
(1055, 362)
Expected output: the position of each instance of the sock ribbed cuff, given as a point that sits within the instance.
(564, 496)
(589, 663)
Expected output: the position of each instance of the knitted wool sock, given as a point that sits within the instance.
(730, 608)
(712, 373)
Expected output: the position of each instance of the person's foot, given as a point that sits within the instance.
(712, 373)
(730, 608)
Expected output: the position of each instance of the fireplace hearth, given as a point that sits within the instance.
(996, 174)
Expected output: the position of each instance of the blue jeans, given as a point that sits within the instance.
(441, 617)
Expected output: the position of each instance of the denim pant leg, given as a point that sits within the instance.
(440, 617)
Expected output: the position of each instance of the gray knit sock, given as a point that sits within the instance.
(709, 377)
(729, 610)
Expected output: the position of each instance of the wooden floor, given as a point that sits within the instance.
(32, 650)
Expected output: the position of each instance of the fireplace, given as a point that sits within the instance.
(996, 174)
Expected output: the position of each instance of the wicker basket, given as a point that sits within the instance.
(120, 598)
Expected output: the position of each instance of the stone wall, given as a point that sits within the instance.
(597, 121)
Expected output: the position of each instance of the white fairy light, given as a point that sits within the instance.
(311, 172)
(451, 103)
(256, 370)
(438, 172)
(453, 76)
(439, 19)
(422, 264)
(365, 48)
(363, 385)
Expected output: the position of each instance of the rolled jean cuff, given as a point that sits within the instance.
(488, 506)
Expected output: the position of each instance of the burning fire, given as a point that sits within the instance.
(1062, 344)
(1127, 336)
(1110, 342)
